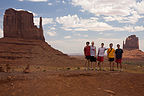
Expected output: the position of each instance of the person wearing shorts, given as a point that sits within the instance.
(118, 55)
(93, 56)
(100, 57)
(87, 55)
(111, 55)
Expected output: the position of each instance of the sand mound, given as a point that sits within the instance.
(20, 51)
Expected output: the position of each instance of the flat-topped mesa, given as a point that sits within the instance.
(131, 43)
(19, 24)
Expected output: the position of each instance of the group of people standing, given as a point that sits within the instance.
(92, 58)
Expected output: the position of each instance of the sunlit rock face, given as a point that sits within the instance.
(131, 43)
(19, 24)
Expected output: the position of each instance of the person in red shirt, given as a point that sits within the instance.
(87, 55)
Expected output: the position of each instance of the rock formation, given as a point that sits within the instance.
(24, 43)
(19, 24)
(131, 48)
(131, 43)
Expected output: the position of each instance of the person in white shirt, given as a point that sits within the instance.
(93, 56)
(100, 57)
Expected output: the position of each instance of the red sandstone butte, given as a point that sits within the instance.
(131, 48)
(131, 43)
(19, 24)
(24, 43)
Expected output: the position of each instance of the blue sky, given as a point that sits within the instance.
(68, 24)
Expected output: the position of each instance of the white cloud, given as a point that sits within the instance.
(52, 33)
(131, 28)
(66, 29)
(80, 29)
(123, 11)
(74, 23)
(80, 35)
(139, 28)
(44, 21)
(67, 37)
(106, 7)
(63, 2)
(68, 20)
(50, 4)
(140, 7)
(21, 0)
(52, 28)
(85, 35)
(82, 10)
(125, 19)
(76, 29)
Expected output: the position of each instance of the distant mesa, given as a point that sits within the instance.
(131, 48)
(131, 43)
(19, 24)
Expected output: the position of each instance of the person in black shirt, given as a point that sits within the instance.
(118, 54)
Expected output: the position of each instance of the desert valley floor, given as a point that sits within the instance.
(73, 81)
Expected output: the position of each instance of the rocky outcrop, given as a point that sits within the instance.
(23, 43)
(131, 43)
(131, 48)
(19, 24)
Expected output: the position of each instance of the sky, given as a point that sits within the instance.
(68, 24)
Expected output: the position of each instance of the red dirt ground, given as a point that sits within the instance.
(72, 83)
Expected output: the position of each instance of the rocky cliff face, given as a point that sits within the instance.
(19, 24)
(131, 43)
(23, 43)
